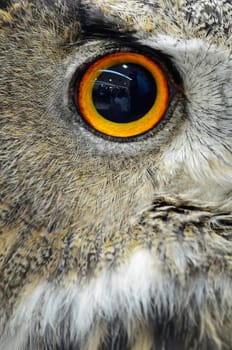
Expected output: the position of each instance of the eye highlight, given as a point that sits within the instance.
(123, 94)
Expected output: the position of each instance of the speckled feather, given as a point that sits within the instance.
(104, 244)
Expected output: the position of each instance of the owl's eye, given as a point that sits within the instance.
(122, 94)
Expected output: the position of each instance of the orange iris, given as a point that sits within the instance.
(130, 127)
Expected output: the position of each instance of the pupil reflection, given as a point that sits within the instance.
(124, 92)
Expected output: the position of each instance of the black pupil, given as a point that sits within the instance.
(124, 93)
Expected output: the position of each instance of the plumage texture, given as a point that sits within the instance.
(106, 244)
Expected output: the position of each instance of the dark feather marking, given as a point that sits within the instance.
(117, 337)
(4, 4)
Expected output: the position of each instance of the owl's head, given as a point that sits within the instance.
(116, 181)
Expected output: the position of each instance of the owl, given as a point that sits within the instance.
(116, 175)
